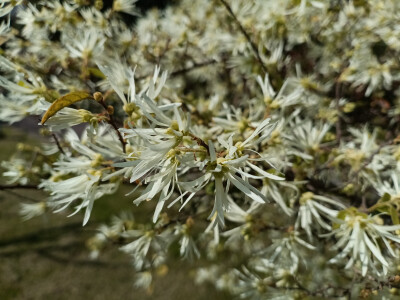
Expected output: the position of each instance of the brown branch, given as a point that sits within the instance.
(121, 139)
(247, 36)
(181, 218)
(199, 141)
(184, 70)
(338, 121)
(58, 143)
(371, 158)
(185, 149)
(195, 66)
(111, 120)
(10, 190)
(273, 227)
(17, 186)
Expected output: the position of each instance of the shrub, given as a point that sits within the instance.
(264, 135)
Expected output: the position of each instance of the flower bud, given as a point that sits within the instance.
(110, 110)
(98, 96)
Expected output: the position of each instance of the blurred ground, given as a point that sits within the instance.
(46, 258)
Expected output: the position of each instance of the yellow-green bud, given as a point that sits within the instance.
(98, 96)
(305, 197)
(110, 109)
(349, 107)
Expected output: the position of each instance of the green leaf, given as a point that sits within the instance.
(97, 73)
(64, 101)
(50, 95)
(394, 215)
(341, 216)
(384, 209)
(385, 198)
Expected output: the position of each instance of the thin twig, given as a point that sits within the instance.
(17, 186)
(114, 125)
(181, 218)
(25, 197)
(58, 143)
(185, 149)
(338, 121)
(195, 66)
(363, 206)
(184, 70)
(199, 141)
(371, 158)
(247, 36)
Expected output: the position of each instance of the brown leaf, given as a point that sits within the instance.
(64, 101)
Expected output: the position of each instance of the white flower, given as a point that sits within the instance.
(161, 184)
(157, 144)
(10, 111)
(4, 28)
(306, 137)
(360, 150)
(6, 6)
(225, 169)
(365, 69)
(286, 251)
(236, 121)
(126, 6)
(154, 89)
(267, 89)
(244, 218)
(145, 240)
(291, 93)
(280, 192)
(86, 187)
(87, 159)
(28, 18)
(31, 210)
(157, 152)
(359, 236)
(94, 18)
(26, 90)
(312, 213)
(122, 79)
(28, 87)
(143, 279)
(17, 171)
(391, 187)
(68, 117)
(85, 44)
(188, 248)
